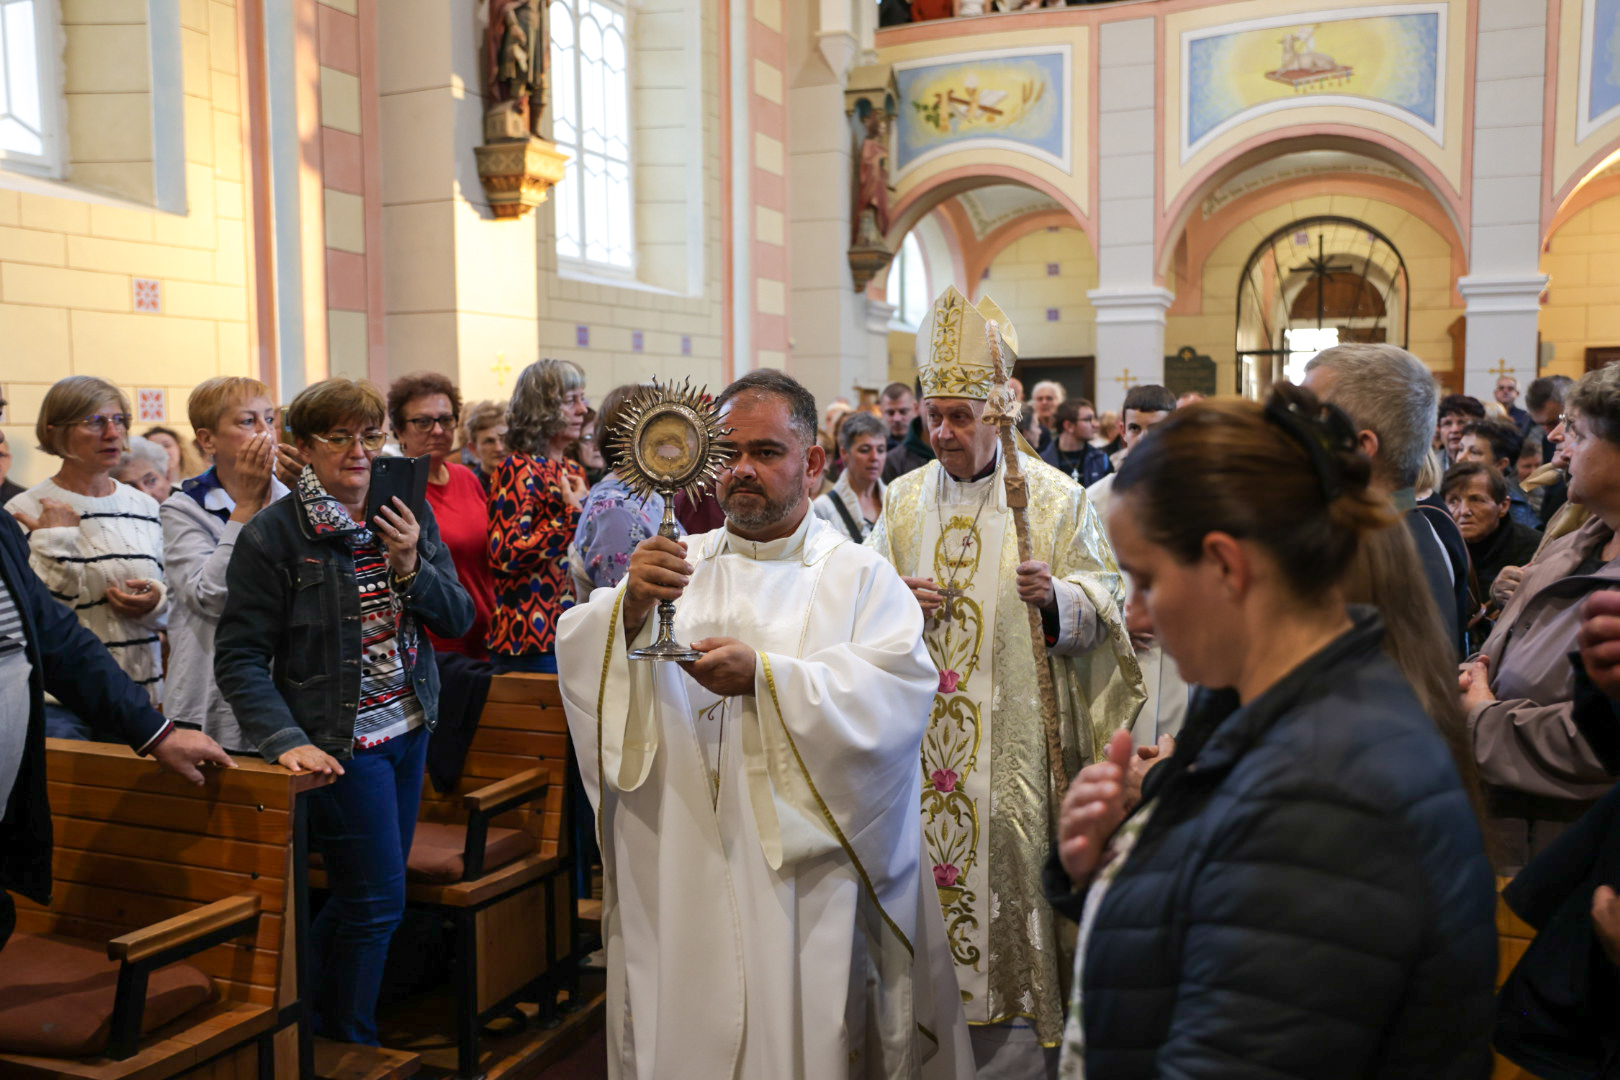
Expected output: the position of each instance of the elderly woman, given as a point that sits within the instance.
(202, 521)
(1308, 852)
(534, 500)
(96, 543)
(485, 446)
(322, 656)
(855, 501)
(1518, 689)
(145, 465)
(424, 410)
(180, 462)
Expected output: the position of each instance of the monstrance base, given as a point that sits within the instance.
(666, 650)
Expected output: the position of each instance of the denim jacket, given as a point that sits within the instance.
(287, 651)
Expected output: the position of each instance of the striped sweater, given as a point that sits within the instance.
(118, 538)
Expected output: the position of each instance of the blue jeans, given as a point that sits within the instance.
(362, 825)
(62, 722)
(535, 663)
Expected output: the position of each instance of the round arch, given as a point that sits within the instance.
(1343, 137)
(937, 189)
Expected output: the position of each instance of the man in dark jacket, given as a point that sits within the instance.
(43, 647)
(1071, 450)
(913, 453)
(1390, 395)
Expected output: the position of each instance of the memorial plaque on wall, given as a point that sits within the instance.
(1188, 373)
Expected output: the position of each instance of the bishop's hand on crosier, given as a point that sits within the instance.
(658, 571)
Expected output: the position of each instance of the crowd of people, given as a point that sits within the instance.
(1187, 741)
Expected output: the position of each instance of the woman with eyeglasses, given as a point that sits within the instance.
(425, 410)
(235, 424)
(534, 501)
(96, 543)
(322, 655)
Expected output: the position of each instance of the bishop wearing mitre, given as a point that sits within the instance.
(767, 909)
(988, 790)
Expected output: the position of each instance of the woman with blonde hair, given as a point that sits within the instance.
(96, 543)
(534, 502)
(235, 424)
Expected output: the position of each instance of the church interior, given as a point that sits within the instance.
(1199, 194)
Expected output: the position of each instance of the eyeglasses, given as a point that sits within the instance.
(425, 424)
(98, 424)
(370, 440)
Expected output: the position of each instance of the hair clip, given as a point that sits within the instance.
(1324, 436)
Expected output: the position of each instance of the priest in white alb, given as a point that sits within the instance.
(988, 787)
(767, 909)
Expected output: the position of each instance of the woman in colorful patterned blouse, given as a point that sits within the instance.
(614, 519)
(534, 501)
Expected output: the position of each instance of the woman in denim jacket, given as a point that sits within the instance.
(322, 656)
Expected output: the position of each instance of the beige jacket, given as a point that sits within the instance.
(1526, 740)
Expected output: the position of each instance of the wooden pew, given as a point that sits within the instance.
(513, 923)
(1513, 937)
(137, 847)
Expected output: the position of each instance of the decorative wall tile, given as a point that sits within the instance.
(638, 341)
(148, 295)
(582, 336)
(152, 405)
(1051, 314)
(1053, 269)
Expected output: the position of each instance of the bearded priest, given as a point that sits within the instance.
(988, 798)
(766, 906)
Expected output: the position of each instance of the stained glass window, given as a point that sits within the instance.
(27, 57)
(590, 101)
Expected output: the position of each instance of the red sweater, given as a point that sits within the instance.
(463, 512)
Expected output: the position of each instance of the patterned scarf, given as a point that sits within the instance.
(330, 519)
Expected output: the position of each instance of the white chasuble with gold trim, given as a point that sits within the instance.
(768, 910)
(987, 796)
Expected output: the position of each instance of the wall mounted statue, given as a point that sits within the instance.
(517, 167)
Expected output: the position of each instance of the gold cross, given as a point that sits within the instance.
(501, 370)
(1501, 368)
(1126, 379)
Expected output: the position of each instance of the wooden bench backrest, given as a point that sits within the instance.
(135, 846)
(522, 726)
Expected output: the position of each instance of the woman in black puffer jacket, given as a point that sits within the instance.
(1303, 890)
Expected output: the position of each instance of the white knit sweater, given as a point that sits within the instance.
(118, 538)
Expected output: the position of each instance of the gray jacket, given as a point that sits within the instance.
(197, 544)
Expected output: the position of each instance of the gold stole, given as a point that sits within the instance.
(956, 748)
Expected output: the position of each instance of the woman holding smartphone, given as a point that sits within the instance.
(323, 656)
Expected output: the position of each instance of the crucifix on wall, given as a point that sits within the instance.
(1502, 369)
(1126, 380)
(1321, 268)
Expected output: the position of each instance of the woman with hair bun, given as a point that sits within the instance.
(1303, 889)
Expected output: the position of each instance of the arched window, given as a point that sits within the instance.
(1312, 284)
(908, 284)
(590, 98)
(28, 85)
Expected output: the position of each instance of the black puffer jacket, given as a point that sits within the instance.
(1310, 897)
